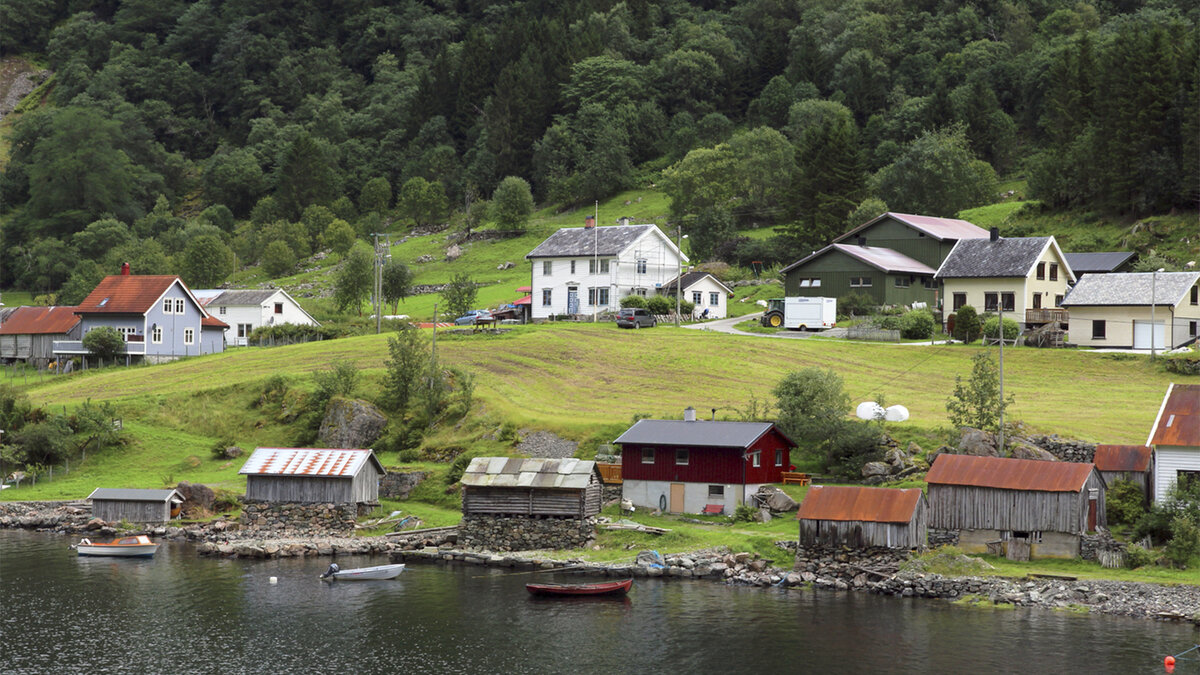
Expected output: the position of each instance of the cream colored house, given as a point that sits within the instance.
(1114, 310)
(706, 292)
(1026, 277)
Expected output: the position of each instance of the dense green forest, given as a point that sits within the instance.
(186, 136)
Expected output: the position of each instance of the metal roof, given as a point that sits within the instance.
(938, 228)
(1005, 257)
(1178, 420)
(868, 504)
(130, 495)
(1122, 457)
(39, 321)
(519, 472)
(1008, 474)
(692, 278)
(698, 434)
(234, 297)
(1169, 288)
(1097, 263)
(322, 463)
(883, 259)
(608, 240)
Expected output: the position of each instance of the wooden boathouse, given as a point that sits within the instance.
(313, 475)
(1019, 507)
(514, 486)
(135, 506)
(863, 517)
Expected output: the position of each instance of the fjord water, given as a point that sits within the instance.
(180, 613)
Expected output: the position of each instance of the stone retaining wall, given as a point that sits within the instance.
(398, 485)
(520, 533)
(936, 538)
(1065, 449)
(298, 518)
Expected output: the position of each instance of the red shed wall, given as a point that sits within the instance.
(707, 465)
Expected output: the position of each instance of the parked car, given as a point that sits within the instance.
(635, 317)
(473, 317)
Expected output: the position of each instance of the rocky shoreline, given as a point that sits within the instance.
(879, 571)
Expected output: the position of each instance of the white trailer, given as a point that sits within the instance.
(801, 313)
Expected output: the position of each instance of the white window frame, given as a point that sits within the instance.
(244, 330)
(682, 455)
(221, 309)
(547, 267)
(756, 459)
(189, 336)
(547, 297)
(779, 458)
(641, 266)
(179, 306)
(156, 335)
(168, 306)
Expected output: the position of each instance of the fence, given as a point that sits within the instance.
(872, 333)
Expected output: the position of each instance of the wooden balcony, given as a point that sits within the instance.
(610, 473)
(1040, 316)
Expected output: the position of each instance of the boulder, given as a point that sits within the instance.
(896, 458)
(427, 258)
(232, 452)
(197, 498)
(763, 515)
(777, 500)
(454, 252)
(977, 443)
(350, 423)
(1020, 450)
(876, 469)
(505, 266)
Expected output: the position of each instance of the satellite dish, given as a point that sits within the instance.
(870, 410)
(896, 413)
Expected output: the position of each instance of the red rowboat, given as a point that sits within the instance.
(599, 588)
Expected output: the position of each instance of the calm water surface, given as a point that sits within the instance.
(179, 613)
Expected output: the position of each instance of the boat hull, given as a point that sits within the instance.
(370, 573)
(578, 590)
(138, 551)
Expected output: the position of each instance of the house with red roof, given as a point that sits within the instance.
(1023, 507)
(29, 333)
(159, 317)
(1175, 438)
(891, 258)
(863, 517)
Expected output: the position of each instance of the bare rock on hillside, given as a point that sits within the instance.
(1021, 450)
(776, 500)
(454, 252)
(197, 497)
(350, 423)
(978, 443)
(546, 444)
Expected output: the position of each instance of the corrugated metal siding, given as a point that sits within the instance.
(301, 489)
(134, 512)
(957, 507)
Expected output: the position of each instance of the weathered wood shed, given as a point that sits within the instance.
(1047, 505)
(863, 517)
(1125, 462)
(313, 475)
(28, 333)
(531, 487)
(135, 506)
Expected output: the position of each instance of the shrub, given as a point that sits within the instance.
(633, 301)
(917, 324)
(889, 322)
(1123, 503)
(1136, 556)
(686, 308)
(856, 304)
(1187, 363)
(340, 379)
(273, 390)
(1185, 541)
(966, 324)
(991, 330)
(410, 455)
(744, 513)
(659, 304)
(104, 342)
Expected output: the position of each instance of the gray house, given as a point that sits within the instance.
(863, 517)
(313, 475)
(136, 506)
(159, 317)
(29, 333)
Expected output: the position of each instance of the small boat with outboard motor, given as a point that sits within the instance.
(138, 546)
(363, 573)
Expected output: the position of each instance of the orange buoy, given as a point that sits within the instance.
(1169, 664)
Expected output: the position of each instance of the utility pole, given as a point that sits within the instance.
(596, 261)
(679, 289)
(380, 256)
(1000, 315)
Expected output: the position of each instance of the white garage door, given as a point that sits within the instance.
(1141, 335)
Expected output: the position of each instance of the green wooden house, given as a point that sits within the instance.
(892, 258)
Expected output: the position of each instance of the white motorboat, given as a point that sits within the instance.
(139, 546)
(363, 573)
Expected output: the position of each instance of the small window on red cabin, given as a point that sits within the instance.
(647, 455)
(756, 459)
(681, 457)
(778, 458)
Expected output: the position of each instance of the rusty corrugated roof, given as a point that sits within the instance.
(315, 462)
(1008, 474)
(875, 505)
(1178, 420)
(39, 321)
(1122, 457)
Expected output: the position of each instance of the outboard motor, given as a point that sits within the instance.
(333, 569)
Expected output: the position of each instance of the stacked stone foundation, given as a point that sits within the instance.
(284, 517)
(524, 533)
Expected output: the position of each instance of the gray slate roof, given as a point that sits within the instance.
(1131, 289)
(582, 241)
(130, 495)
(252, 297)
(1093, 263)
(691, 278)
(569, 473)
(699, 433)
(1005, 257)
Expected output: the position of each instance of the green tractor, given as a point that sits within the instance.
(773, 316)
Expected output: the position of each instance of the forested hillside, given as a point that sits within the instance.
(186, 136)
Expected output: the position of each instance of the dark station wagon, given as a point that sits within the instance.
(635, 317)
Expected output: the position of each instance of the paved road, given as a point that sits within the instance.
(727, 326)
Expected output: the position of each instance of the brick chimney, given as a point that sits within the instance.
(589, 223)
(995, 232)
(124, 269)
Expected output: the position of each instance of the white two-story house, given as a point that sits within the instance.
(587, 270)
(247, 309)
